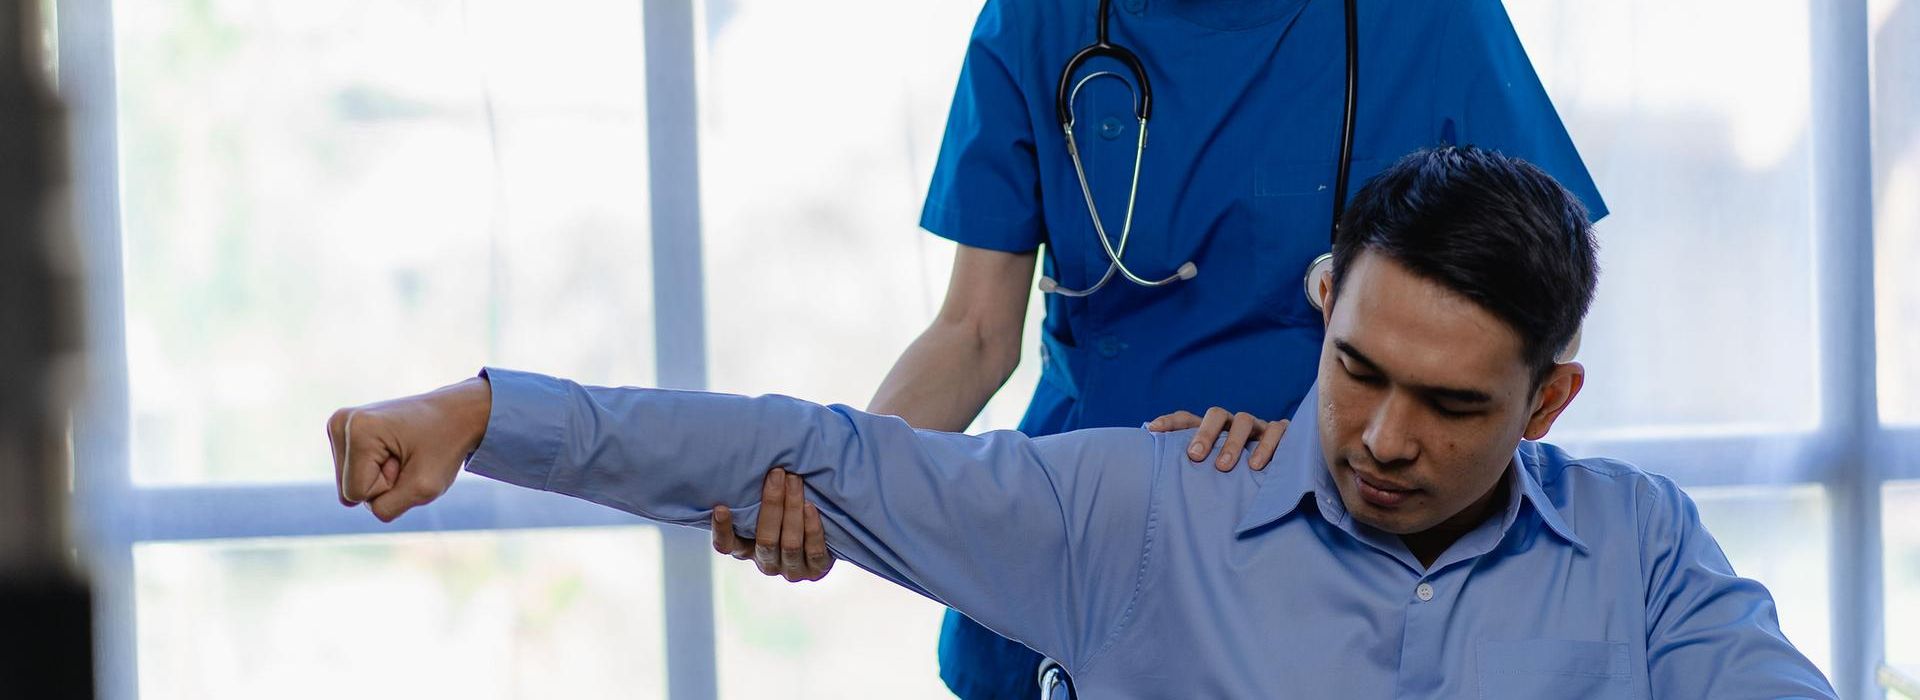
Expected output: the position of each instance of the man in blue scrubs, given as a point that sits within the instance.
(1237, 177)
(1413, 543)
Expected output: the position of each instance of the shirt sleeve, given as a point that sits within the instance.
(1493, 99)
(1040, 539)
(985, 190)
(1710, 633)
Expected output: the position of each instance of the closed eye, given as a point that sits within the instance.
(1366, 378)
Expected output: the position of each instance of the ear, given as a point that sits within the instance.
(1555, 394)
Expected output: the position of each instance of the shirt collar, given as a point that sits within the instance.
(1299, 469)
(1529, 461)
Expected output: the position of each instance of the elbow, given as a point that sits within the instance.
(991, 346)
(1000, 355)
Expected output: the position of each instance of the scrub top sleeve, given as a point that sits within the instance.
(1492, 98)
(985, 190)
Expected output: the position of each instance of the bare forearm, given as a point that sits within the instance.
(946, 376)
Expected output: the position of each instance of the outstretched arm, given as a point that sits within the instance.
(1039, 539)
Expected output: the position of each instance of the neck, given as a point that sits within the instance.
(1428, 544)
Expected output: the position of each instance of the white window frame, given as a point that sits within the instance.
(115, 514)
(1851, 453)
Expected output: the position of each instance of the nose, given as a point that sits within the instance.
(1389, 436)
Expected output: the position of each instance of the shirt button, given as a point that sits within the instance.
(1109, 347)
(1425, 591)
(1111, 128)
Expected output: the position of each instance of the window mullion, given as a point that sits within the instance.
(308, 509)
(101, 425)
(673, 174)
(1843, 220)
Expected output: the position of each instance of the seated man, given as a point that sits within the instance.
(1413, 543)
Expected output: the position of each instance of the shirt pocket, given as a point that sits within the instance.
(1293, 220)
(1554, 668)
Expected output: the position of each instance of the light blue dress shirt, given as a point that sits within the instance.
(1148, 577)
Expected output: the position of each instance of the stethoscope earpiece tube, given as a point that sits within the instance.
(1064, 98)
(1323, 264)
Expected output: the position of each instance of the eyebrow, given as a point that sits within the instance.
(1444, 392)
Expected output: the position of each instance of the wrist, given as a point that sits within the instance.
(471, 403)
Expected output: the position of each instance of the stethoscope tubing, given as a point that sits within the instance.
(1068, 92)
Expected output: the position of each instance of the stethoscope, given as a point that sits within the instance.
(1069, 91)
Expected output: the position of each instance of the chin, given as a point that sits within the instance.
(1392, 523)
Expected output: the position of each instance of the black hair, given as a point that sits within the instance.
(1494, 229)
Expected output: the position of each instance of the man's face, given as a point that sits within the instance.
(1423, 397)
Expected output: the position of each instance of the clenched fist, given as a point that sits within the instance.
(395, 455)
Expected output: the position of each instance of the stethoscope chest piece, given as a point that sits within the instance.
(1319, 281)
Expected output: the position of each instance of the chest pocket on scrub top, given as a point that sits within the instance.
(1293, 217)
(1555, 668)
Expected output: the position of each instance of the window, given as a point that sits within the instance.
(494, 154)
(1699, 135)
(1903, 577)
(506, 163)
(1680, 118)
(1895, 29)
(823, 202)
(531, 613)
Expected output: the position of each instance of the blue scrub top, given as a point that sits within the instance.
(1237, 178)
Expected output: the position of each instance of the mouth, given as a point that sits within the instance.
(1380, 493)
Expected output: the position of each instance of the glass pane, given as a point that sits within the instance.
(1695, 129)
(327, 203)
(1779, 537)
(818, 274)
(849, 635)
(1895, 49)
(527, 614)
(1900, 531)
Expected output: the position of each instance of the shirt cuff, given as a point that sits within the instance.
(524, 428)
